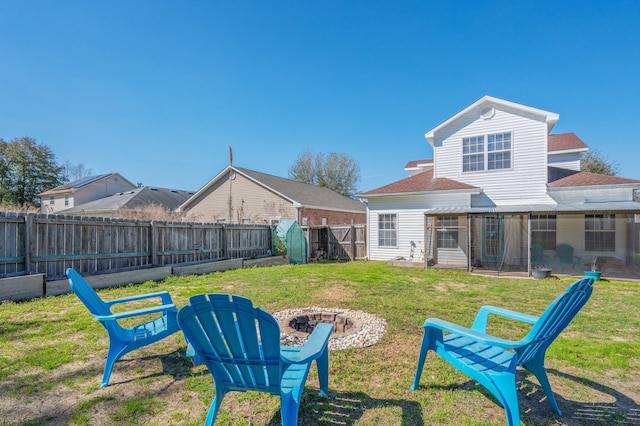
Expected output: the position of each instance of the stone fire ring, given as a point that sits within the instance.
(371, 328)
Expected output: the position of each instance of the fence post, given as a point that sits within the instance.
(153, 240)
(28, 243)
(224, 241)
(354, 251)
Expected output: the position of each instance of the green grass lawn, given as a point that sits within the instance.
(52, 353)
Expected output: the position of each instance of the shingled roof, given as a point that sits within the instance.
(422, 182)
(564, 142)
(303, 193)
(76, 184)
(135, 199)
(563, 178)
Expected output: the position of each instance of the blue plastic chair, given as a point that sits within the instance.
(564, 256)
(538, 258)
(123, 340)
(240, 345)
(492, 361)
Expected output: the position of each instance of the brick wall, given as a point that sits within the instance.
(315, 216)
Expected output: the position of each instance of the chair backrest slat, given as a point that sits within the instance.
(556, 318)
(242, 343)
(87, 294)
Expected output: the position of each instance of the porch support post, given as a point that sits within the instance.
(529, 244)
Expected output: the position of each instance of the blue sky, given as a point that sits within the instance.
(158, 90)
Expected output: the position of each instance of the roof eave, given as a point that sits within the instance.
(470, 191)
(568, 151)
(551, 118)
(606, 186)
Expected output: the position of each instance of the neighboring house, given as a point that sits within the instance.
(499, 185)
(238, 195)
(82, 191)
(134, 200)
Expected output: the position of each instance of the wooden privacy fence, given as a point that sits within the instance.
(46, 244)
(337, 242)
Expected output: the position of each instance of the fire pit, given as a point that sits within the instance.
(352, 329)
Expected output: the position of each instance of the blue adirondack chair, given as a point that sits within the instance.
(492, 361)
(538, 258)
(123, 340)
(564, 256)
(240, 345)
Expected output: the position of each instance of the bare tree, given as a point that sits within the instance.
(338, 172)
(597, 162)
(71, 172)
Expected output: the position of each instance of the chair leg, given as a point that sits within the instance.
(322, 363)
(115, 351)
(289, 408)
(424, 348)
(507, 394)
(213, 409)
(536, 366)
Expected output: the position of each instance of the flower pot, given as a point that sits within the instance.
(593, 274)
(541, 273)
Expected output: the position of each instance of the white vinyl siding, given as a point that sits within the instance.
(410, 211)
(524, 182)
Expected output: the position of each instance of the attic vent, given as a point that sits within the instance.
(487, 113)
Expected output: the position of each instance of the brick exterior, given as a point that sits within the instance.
(315, 216)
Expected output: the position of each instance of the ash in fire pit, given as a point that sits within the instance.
(352, 329)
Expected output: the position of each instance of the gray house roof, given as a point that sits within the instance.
(79, 183)
(299, 193)
(134, 199)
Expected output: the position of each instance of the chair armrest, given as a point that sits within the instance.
(314, 347)
(476, 335)
(163, 295)
(137, 312)
(480, 323)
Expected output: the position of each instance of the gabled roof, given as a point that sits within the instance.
(422, 182)
(563, 178)
(551, 118)
(565, 142)
(298, 193)
(171, 199)
(80, 183)
(416, 164)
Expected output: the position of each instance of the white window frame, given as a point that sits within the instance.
(484, 152)
(447, 232)
(602, 226)
(388, 230)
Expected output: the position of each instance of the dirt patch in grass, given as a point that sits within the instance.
(335, 293)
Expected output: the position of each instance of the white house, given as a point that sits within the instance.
(503, 194)
(82, 191)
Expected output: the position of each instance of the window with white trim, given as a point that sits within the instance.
(447, 232)
(66, 200)
(52, 200)
(543, 230)
(387, 230)
(600, 232)
(481, 153)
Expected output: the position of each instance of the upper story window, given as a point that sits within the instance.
(490, 152)
(66, 200)
(387, 230)
(52, 200)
